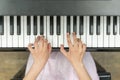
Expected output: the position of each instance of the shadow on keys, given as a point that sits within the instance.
(103, 74)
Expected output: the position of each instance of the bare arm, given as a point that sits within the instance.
(75, 56)
(40, 53)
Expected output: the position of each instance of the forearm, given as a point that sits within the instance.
(33, 72)
(81, 72)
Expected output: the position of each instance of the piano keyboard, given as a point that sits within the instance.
(94, 31)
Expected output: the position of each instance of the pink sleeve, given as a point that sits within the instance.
(90, 66)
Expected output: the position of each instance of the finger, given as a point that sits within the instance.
(83, 50)
(74, 38)
(69, 41)
(76, 44)
(36, 41)
(45, 43)
(63, 50)
(30, 47)
(49, 48)
(41, 44)
(80, 43)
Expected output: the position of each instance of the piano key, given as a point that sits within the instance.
(41, 25)
(60, 37)
(74, 24)
(49, 36)
(101, 36)
(27, 30)
(78, 26)
(1, 29)
(89, 36)
(35, 25)
(114, 25)
(94, 36)
(68, 24)
(55, 40)
(58, 25)
(18, 25)
(11, 25)
(71, 26)
(21, 36)
(111, 38)
(28, 25)
(1, 25)
(106, 36)
(108, 25)
(98, 26)
(83, 37)
(51, 25)
(38, 25)
(45, 27)
(4, 38)
(32, 36)
(91, 25)
(81, 29)
(15, 36)
(0, 41)
(117, 36)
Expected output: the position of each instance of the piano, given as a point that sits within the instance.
(96, 23)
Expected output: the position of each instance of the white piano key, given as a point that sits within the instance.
(9, 37)
(49, 37)
(71, 28)
(89, 37)
(101, 36)
(111, 38)
(20, 37)
(94, 37)
(60, 37)
(78, 25)
(0, 41)
(65, 32)
(106, 37)
(45, 27)
(117, 36)
(55, 40)
(4, 38)
(15, 36)
(83, 37)
(32, 36)
(38, 25)
(26, 37)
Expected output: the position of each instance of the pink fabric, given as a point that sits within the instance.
(59, 68)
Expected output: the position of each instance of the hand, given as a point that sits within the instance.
(41, 50)
(75, 56)
(76, 50)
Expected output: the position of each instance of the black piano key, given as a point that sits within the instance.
(51, 26)
(108, 25)
(75, 24)
(68, 24)
(11, 25)
(58, 25)
(41, 25)
(91, 25)
(35, 25)
(114, 25)
(98, 25)
(28, 26)
(18, 25)
(1, 25)
(81, 28)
